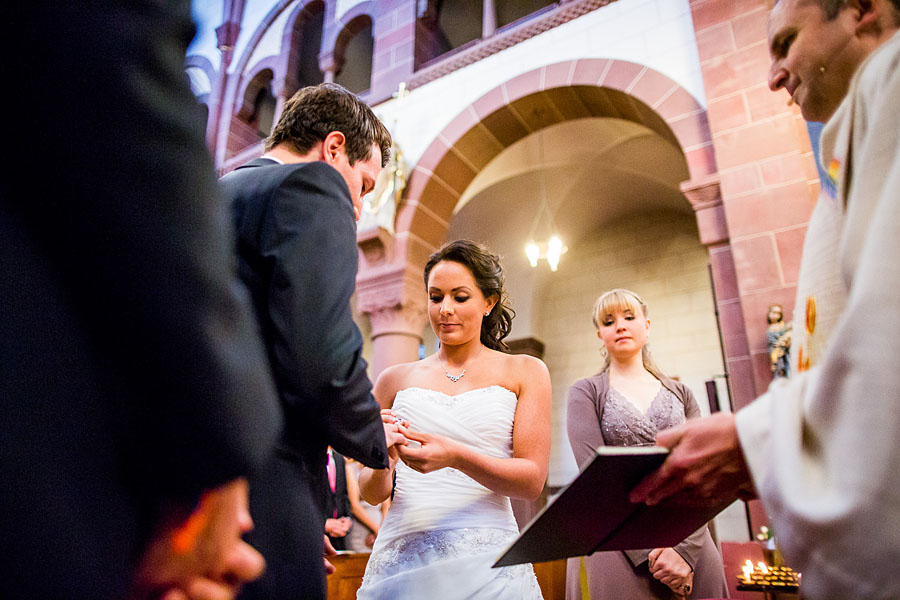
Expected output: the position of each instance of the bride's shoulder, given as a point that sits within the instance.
(392, 380)
(523, 361)
(522, 367)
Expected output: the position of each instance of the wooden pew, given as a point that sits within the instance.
(350, 567)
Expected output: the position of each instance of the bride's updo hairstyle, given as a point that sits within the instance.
(488, 274)
(621, 300)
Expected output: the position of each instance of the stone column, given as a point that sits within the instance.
(706, 200)
(329, 65)
(226, 37)
(396, 335)
(279, 89)
(489, 19)
(392, 297)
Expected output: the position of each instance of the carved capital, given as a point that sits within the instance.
(394, 301)
(330, 62)
(376, 244)
(278, 87)
(400, 319)
(706, 200)
(702, 194)
(227, 35)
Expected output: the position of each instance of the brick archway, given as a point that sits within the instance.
(526, 104)
(506, 114)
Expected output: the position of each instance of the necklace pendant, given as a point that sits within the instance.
(454, 378)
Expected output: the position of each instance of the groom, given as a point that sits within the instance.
(294, 212)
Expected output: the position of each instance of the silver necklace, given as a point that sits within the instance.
(455, 378)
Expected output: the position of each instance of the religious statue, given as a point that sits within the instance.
(778, 338)
(380, 205)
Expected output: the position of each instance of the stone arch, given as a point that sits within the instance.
(297, 23)
(523, 105)
(281, 63)
(349, 32)
(263, 74)
(332, 36)
(200, 64)
(530, 102)
(243, 131)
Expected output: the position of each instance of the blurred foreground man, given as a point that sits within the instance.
(134, 386)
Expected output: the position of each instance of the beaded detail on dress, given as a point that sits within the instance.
(622, 424)
(442, 544)
(444, 529)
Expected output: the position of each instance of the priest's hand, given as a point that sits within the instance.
(705, 467)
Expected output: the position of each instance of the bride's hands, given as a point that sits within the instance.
(393, 437)
(435, 451)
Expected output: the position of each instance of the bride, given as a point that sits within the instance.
(477, 424)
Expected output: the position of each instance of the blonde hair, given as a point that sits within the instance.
(621, 300)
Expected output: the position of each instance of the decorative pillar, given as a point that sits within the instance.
(329, 65)
(226, 37)
(396, 334)
(489, 19)
(706, 199)
(279, 88)
(392, 297)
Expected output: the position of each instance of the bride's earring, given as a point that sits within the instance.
(487, 312)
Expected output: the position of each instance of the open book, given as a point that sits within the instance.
(594, 513)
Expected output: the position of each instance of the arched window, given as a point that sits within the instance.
(353, 52)
(445, 25)
(254, 118)
(305, 45)
(263, 116)
(509, 11)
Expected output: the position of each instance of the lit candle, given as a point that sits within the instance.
(763, 568)
(748, 569)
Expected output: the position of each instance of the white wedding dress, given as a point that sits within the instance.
(444, 530)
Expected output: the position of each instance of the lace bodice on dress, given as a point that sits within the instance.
(622, 424)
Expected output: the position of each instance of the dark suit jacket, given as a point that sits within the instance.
(297, 253)
(131, 371)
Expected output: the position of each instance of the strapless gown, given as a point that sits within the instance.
(444, 530)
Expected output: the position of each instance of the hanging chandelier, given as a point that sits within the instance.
(552, 248)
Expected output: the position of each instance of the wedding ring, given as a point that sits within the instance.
(686, 589)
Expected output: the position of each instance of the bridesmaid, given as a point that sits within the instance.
(625, 405)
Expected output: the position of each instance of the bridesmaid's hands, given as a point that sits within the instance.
(434, 452)
(670, 568)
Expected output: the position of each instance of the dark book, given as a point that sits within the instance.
(594, 513)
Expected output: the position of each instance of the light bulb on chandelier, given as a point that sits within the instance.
(550, 250)
(553, 248)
